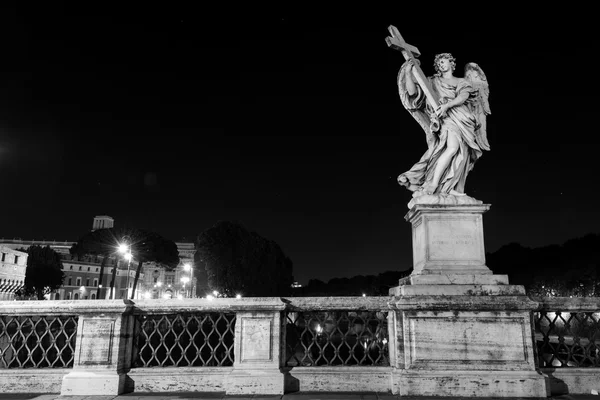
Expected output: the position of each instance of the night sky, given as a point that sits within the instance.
(174, 117)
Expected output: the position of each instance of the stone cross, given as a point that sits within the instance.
(409, 52)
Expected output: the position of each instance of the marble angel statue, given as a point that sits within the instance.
(455, 130)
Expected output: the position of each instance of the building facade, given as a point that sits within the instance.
(13, 265)
(82, 274)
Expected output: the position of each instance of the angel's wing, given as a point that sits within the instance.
(481, 107)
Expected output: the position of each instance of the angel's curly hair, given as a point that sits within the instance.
(442, 56)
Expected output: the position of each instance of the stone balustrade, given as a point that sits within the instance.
(277, 345)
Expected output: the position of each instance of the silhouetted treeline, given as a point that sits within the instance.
(371, 285)
(570, 269)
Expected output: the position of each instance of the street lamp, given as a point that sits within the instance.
(125, 249)
(188, 267)
(184, 280)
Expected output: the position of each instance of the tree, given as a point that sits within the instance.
(44, 271)
(239, 261)
(571, 269)
(151, 247)
(145, 246)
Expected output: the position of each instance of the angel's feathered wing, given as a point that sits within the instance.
(481, 105)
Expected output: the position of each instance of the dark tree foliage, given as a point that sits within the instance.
(44, 271)
(145, 246)
(570, 269)
(239, 261)
(370, 285)
(152, 247)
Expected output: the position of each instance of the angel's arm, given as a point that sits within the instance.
(410, 84)
(458, 100)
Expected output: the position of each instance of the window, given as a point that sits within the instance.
(87, 282)
(78, 282)
(68, 296)
(93, 296)
(96, 269)
(3, 256)
(76, 296)
(70, 281)
(96, 282)
(169, 279)
(16, 259)
(80, 267)
(71, 267)
(88, 268)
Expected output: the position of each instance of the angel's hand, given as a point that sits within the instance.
(441, 110)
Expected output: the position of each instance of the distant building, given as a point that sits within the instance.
(103, 222)
(82, 274)
(13, 264)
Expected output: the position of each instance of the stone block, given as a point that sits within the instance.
(86, 383)
(448, 239)
(455, 384)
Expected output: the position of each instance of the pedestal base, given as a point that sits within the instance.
(454, 383)
(80, 383)
(255, 381)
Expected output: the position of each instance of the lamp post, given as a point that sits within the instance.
(125, 249)
(184, 280)
(188, 267)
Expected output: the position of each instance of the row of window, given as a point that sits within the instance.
(76, 296)
(3, 258)
(78, 282)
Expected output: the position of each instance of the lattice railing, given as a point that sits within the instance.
(567, 339)
(185, 339)
(37, 341)
(326, 338)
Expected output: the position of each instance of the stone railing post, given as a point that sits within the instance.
(103, 348)
(258, 348)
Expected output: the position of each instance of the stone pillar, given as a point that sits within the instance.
(103, 349)
(460, 330)
(258, 350)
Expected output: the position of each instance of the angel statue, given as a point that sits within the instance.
(455, 130)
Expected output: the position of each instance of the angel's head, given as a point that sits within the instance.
(443, 56)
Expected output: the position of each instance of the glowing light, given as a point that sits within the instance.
(180, 297)
(364, 295)
(159, 284)
(128, 256)
(166, 296)
(209, 297)
(215, 293)
(185, 280)
(319, 328)
(123, 248)
(187, 266)
(147, 295)
(238, 296)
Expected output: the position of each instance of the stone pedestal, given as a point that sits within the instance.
(257, 350)
(103, 350)
(460, 329)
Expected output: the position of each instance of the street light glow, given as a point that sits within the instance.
(128, 256)
(123, 248)
(238, 296)
(187, 266)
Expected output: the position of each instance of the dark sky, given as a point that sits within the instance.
(174, 116)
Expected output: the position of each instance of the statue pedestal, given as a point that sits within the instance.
(461, 330)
